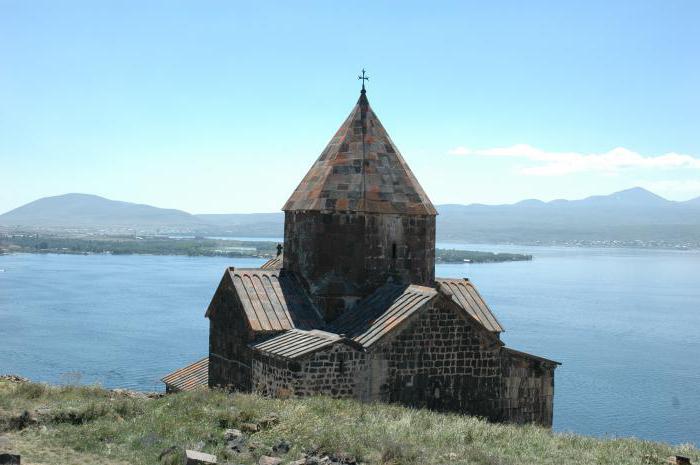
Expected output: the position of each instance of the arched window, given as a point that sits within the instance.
(393, 250)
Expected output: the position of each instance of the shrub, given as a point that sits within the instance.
(396, 453)
(30, 391)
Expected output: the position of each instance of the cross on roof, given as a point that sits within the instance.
(363, 79)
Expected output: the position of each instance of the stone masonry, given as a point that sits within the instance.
(340, 269)
(438, 361)
(332, 372)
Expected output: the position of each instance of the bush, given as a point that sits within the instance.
(396, 453)
(30, 391)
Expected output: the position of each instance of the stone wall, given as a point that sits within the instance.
(527, 394)
(345, 256)
(229, 355)
(402, 247)
(439, 361)
(332, 371)
(326, 251)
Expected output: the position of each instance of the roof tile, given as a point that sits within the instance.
(381, 312)
(296, 343)
(273, 263)
(190, 377)
(464, 294)
(338, 182)
(273, 300)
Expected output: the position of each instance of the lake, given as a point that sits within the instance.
(623, 322)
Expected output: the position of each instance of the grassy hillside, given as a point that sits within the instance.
(89, 425)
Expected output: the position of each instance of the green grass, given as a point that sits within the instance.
(92, 425)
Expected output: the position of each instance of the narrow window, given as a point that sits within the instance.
(393, 250)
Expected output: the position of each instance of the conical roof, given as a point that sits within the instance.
(361, 170)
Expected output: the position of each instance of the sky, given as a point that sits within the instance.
(222, 106)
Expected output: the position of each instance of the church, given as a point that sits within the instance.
(352, 309)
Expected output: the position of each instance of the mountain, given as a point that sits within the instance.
(83, 211)
(94, 213)
(629, 216)
(636, 196)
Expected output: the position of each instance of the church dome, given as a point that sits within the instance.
(361, 170)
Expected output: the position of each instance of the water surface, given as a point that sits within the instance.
(623, 322)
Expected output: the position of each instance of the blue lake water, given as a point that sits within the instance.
(625, 324)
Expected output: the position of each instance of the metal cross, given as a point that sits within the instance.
(363, 79)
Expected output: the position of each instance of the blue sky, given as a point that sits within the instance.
(222, 106)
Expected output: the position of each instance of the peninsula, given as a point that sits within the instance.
(29, 242)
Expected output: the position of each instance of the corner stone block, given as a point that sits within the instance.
(193, 457)
(267, 460)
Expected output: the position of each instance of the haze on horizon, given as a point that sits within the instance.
(218, 107)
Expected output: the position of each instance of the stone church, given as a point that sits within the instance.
(352, 307)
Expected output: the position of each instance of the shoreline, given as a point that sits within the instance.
(202, 247)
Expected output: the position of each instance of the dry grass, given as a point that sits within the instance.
(36, 452)
(90, 425)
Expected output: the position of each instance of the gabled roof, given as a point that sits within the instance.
(381, 312)
(296, 343)
(272, 300)
(361, 170)
(190, 377)
(273, 263)
(390, 305)
(517, 353)
(464, 294)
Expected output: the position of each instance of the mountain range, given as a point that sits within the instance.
(627, 216)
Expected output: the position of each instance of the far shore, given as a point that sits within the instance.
(197, 247)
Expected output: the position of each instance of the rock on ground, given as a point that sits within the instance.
(193, 457)
(14, 378)
(267, 460)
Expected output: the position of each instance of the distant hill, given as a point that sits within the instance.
(626, 216)
(84, 211)
(630, 215)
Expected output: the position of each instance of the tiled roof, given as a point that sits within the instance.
(296, 343)
(189, 377)
(466, 296)
(273, 263)
(361, 170)
(273, 300)
(518, 353)
(381, 312)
